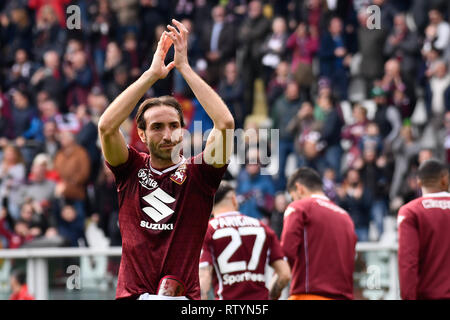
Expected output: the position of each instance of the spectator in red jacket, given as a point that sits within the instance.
(19, 287)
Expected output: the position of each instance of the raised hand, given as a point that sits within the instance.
(179, 36)
(158, 68)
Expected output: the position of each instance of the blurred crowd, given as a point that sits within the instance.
(362, 105)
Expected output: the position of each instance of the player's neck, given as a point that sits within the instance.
(223, 210)
(430, 190)
(315, 193)
(161, 164)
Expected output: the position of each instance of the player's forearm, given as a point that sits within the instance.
(205, 281)
(119, 110)
(209, 99)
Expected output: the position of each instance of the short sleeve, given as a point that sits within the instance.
(122, 171)
(276, 252)
(207, 176)
(292, 235)
(206, 257)
(408, 253)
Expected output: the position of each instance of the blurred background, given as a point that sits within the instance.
(364, 106)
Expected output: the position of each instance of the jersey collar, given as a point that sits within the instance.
(320, 196)
(437, 194)
(183, 159)
(229, 213)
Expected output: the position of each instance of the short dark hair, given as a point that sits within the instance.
(156, 102)
(308, 177)
(430, 171)
(20, 276)
(222, 191)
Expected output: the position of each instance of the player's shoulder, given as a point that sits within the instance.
(439, 200)
(233, 219)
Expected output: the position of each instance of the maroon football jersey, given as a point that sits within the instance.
(424, 247)
(319, 241)
(163, 218)
(238, 247)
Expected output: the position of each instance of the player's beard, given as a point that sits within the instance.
(172, 155)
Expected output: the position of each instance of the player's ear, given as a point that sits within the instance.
(142, 136)
(444, 181)
(234, 201)
(419, 183)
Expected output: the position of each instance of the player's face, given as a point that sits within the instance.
(163, 132)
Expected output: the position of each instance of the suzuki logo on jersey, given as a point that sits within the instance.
(146, 180)
(158, 201)
(156, 226)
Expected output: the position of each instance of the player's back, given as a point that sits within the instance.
(239, 247)
(424, 245)
(319, 240)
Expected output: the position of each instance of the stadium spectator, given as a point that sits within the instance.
(231, 90)
(21, 70)
(255, 191)
(274, 48)
(218, 43)
(314, 238)
(438, 97)
(78, 78)
(20, 233)
(423, 230)
(375, 177)
(304, 44)
(356, 199)
(330, 135)
(106, 205)
(387, 117)
(16, 31)
(393, 83)
(87, 138)
(334, 57)
(276, 217)
(405, 150)
(51, 145)
(73, 166)
(440, 29)
(370, 46)
(278, 84)
(245, 261)
(285, 108)
(47, 33)
(251, 34)
(41, 182)
(12, 176)
(19, 286)
(70, 223)
(354, 133)
(49, 77)
(403, 45)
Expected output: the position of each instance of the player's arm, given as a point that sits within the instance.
(292, 235)
(408, 254)
(220, 141)
(280, 279)
(113, 143)
(205, 275)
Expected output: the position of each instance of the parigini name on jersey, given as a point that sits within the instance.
(234, 221)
